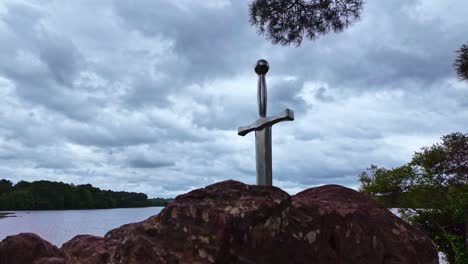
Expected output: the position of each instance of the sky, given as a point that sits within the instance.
(146, 96)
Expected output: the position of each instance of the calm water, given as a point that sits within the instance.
(60, 226)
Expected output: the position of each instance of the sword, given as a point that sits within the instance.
(262, 127)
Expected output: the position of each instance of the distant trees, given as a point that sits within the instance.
(47, 195)
(289, 21)
(159, 201)
(433, 190)
(5, 186)
(461, 62)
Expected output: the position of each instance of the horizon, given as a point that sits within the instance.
(154, 197)
(107, 190)
(148, 98)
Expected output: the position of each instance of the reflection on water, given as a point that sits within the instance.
(59, 226)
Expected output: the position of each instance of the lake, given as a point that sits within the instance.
(59, 226)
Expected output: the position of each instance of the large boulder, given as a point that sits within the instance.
(345, 226)
(227, 222)
(27, 248)
(230, 222)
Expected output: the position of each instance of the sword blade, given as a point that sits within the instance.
(263, 153)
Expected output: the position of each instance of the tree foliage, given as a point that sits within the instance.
(47, 195)
(433, 190)
(6, 186)
(289, 21)
(461, 62)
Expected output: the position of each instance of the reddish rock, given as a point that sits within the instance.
(27, 248)
(230, 222)
(53, 260)
(345, 226)
(88, 249)
(205, 226)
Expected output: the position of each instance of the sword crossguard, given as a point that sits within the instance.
(262, 122)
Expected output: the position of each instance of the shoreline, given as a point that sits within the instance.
(6, 214)
(70, 209)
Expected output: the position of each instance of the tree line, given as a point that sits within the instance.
(431, 191)
(48, 195)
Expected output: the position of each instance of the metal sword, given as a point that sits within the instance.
(262, 127)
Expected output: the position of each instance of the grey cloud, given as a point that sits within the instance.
(208, 43)
(7, 157)
(321, 94)
(43, 64)
(54, 164)
(146, 164)
(61, 57)
(229, 118)
(23, 16)
(212, 40)
(111, 136)
(285, 94)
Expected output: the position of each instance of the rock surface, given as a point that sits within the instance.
(230, 222)
(88, 249)
(27, 248)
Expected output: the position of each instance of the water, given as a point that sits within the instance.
(59, 226)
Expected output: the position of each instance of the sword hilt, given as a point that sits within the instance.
(261, 69)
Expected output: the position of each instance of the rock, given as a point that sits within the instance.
(28, 248)
(53, 260)
(88, 249)
(209, 225)
(230, 222)
(349, 227)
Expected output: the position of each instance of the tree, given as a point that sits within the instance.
(6, 186)
(461, 62)
(289, 21)
(433, 189)
(386, 185)
(444, 164)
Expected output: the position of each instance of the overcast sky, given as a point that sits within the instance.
(147, 96)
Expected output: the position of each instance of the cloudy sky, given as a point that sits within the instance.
(147, 96)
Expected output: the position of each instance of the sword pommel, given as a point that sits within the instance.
(262, 67)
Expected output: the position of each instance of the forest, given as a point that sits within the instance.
(48, 195)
